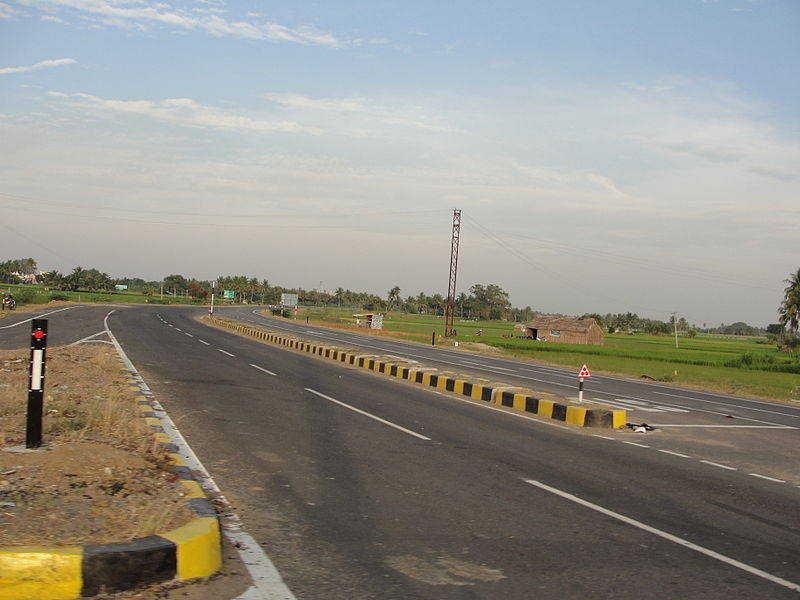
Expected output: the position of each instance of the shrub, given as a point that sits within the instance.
(58, 296)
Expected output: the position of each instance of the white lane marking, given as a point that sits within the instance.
(635, 444)
(675, 453)
(267, 581)
(87, 338)
(668, 536)
(713, 464)
(483, 366)
(713, 412)
(224, 352)
(263, 369)
(605, 437)
(500, 409)
(39, 317)
(774, 412)
(177, 329)
(371, 416)
(203, 342)
(630, 405)
(725, 426)
(187, 334)
(767, 478)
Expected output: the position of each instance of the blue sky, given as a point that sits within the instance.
(607, 157)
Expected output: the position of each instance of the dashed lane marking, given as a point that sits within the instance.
(767, 478)
(675, 453)
(263, 369)
(713, 464)
(371, 416)
(667, 536)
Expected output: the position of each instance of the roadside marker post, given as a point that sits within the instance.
(33, 430)
(584, 373)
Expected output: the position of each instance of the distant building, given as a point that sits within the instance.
(567, 330)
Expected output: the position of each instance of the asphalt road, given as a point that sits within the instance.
(362, 486)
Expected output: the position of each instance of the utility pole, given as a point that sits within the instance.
(451, 287)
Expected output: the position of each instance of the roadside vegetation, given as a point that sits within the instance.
(736, 358)
(757, 366)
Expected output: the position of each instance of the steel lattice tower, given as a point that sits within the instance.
(451, 287)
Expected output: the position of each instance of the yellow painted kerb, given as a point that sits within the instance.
(39, 573)
(199, 550)
(576, 415)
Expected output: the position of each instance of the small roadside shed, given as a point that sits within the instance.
(369, 320)
(568, 330)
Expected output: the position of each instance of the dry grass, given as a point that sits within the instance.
(103, 476)
(86, 397)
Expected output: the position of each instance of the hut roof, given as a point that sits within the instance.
(562, 323)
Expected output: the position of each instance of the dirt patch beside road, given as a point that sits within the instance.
(100, 477)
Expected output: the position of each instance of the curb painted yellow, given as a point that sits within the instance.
(40, 573)
(198, 545)
(540, 405)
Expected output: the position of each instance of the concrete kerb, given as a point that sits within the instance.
(65, 573)
(543, 405)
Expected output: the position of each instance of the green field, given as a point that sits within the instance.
(37, 294)
(745, 366)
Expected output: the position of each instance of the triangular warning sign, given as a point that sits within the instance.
(584, 372)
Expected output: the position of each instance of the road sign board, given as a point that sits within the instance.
(229, 294)
(584, 372)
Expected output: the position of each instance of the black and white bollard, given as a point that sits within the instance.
(33, 431)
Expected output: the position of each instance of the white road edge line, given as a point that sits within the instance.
(263, 369)
(668, 536)
(371, 416)
(226, 352)
(267, 581)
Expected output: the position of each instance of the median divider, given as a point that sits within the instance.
(541, 404)
(68, 572)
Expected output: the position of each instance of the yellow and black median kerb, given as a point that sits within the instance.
(64, 573)
(543, 405)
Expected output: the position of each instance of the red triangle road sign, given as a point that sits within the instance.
(584, 372)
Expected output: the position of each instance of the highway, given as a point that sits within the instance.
(362, 486)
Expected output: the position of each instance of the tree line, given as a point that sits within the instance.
(483, 302)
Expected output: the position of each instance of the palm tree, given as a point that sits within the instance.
(790, 308)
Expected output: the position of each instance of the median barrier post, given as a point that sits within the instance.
(33, 429)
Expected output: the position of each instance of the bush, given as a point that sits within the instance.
(58, 296)
(30, 297)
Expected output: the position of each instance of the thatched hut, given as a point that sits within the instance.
(568, 330)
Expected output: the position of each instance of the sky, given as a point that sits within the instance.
(619, 156)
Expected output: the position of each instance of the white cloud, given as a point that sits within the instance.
(6, 12)
(402, 115)
(183, 111)
(141, 14)
(45, 64)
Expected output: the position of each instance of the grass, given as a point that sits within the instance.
(86, 398)
(726, 364)
(37, 294)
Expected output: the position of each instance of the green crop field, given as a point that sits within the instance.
(729, 364)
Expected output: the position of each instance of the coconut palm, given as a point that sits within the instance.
(790, 308)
